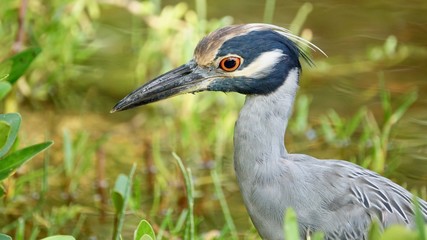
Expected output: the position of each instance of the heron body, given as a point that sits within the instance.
(336, 197)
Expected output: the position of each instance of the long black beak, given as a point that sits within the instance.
(183, 79)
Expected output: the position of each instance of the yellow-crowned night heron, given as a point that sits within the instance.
(262, 61)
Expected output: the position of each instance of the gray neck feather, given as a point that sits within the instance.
(260, 129)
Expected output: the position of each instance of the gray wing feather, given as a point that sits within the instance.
(391, 203)
(382, 199)
(352, 197)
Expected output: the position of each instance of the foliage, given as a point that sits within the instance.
(374, 138)
(11, 158)
(120, 197)
(61, 29)
(144, 231)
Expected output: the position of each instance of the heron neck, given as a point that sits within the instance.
(261, 126)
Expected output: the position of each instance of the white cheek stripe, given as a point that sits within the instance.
(261, 66)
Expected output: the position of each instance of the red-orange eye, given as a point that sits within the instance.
(230, 64)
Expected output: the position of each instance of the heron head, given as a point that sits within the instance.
(248, 59)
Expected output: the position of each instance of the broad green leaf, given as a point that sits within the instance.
(291, 225)
(120, 196)
(119, 192)
(419, 219)
(13, 120)
(318, 236)
(3, 76)
(14, 160)
(399, 232)
(59, 237)
(21, 62)
(374, 231)
(144, 229)
(4, 132)
(146, 237)
(4, 89)
(5, 67)
(5, 237)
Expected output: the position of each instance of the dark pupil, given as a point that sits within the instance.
(230, 63)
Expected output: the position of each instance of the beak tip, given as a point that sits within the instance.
(118, 107)
(122, 105)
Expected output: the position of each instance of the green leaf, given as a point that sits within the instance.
(120, 191)
(13, 121)
(318, 236)
(14, 160)
(68, 152)
(407, 102)
(20, 63)
(5, 67)
(4, 133)
(399, 232)
(146, 237)
(291, 225)
(374, 231)
(2, 193)
(385, 97)
(419, 219)
(120, 196)
(5, 88)
(5, 237)
(59, 237)
(354, 122)
(144, 229)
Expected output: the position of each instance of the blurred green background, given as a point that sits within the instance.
(364, 103)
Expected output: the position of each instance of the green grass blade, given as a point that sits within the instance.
(300, 122)
(407, 102)
(290, 228)
(20, 229)
(224, 205)
(269, 11)
(190, 228)
(300, 18)
(68, 152)
(355, 121)
(385, 98)
(180, 222)
(14, 160)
